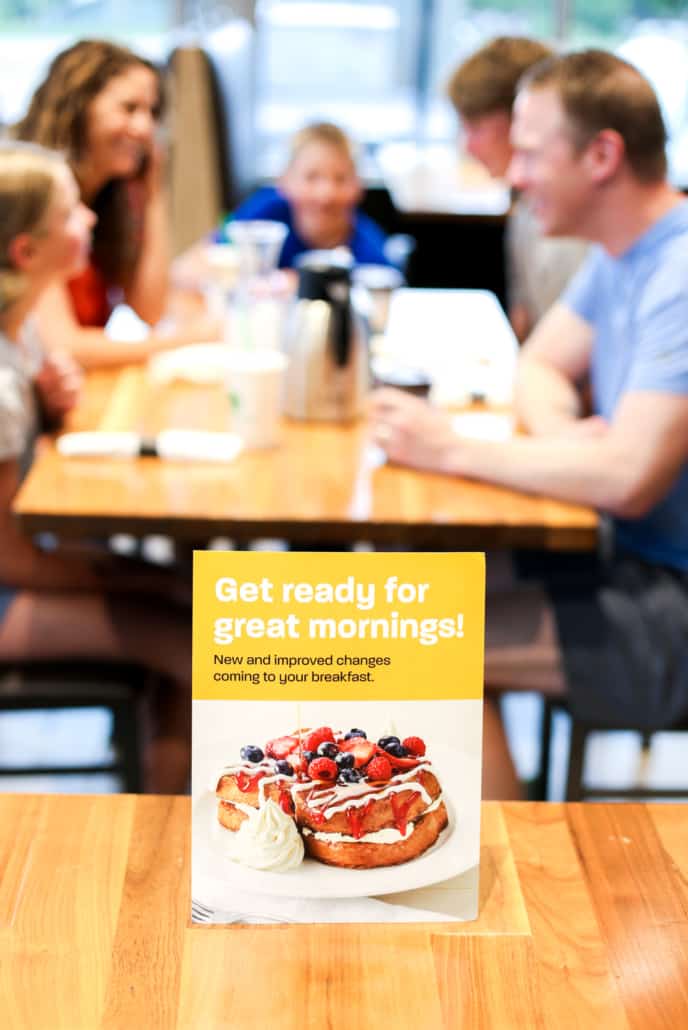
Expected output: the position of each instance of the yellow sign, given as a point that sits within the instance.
(339, 626)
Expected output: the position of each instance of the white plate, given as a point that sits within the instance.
(216, 878)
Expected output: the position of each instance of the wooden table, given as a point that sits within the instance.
(319, 485)
(583, 923)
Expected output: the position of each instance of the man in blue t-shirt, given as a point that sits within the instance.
(589, 156)
(317, 198)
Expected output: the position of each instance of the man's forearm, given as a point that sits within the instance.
(545, 401)
(587, 472)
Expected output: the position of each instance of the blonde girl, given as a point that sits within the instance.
(53, 606)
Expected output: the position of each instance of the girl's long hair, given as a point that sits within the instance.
(28, 175)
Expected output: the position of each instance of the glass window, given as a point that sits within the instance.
(32, 32)
(652, 35)
(377, 67)
(460, 28)
(354, 63)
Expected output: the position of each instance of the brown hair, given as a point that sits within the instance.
(486, 81)
(600, 91)
(57, 118)
(27, 185)
(322, 132)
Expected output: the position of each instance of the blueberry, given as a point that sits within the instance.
(355, 733)
(310, 755)
(284, 768)
(345, 760)
(398, 750)
(251, 753)
(385, 741)
(349, 776)
(328, 749)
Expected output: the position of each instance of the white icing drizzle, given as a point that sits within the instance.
(228, 770)
(342, 796)
(329, 800)
(267, 780)
(246, 809)
(251, 770)
(388, 835)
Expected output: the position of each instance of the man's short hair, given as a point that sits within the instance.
(322, 132)
(486, 81)
(599, 90)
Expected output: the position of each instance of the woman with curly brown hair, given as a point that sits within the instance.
(100, 105)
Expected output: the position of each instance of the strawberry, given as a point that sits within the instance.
(379, 768)
(323, 769)
(311, 740)
(297, 761)
(403, 763)
(362, 750)
(280, 747)
(414, 745)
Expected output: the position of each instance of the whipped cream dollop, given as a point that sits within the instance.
(268, 840)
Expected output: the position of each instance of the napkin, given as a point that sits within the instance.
(169, 444)
(239, 906)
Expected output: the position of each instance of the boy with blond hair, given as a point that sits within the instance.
(482, 91)
(316, 199)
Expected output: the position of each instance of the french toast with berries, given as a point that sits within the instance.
(357, 803)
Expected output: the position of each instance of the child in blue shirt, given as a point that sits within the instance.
(316, 199)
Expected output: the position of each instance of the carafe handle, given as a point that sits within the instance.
(338, 293)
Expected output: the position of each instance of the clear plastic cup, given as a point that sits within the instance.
(258, 244)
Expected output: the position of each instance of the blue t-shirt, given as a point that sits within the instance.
(366, 243)
(637, 304)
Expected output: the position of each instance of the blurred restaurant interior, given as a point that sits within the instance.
(241, 77)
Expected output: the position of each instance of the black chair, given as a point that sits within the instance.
(576, 788)
(120, 687)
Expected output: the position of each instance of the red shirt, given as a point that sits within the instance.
(89, 293)
(93, 297)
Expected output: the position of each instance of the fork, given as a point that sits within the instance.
(200, 913)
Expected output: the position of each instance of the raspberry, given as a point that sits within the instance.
(415, 745)
(311, 741)
(379, 768)
(323, 769)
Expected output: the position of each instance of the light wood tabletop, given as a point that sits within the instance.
(583, 923)
(321, 484)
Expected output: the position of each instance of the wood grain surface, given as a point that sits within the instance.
(320, 484)
(583, 923)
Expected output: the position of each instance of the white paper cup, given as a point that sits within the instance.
(254, 386)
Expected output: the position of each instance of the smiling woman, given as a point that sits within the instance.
(100, 105)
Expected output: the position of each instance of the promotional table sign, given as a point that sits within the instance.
(337, 732)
